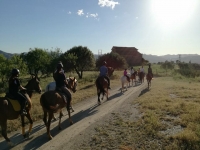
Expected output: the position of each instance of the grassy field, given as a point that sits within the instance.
(169, 119)
(170, 111)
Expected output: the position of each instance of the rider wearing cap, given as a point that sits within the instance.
(104, 73)
(14, 87)
(61, 82)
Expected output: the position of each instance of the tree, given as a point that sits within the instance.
(113, 60)
(78, 58)
(36, 59)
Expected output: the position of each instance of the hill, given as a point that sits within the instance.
(7, 55)
(194, 58)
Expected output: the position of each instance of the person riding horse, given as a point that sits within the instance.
(132, 70)
(125, 74)
(150, 71)
(104, 73)
(61, 82)
(14, 87)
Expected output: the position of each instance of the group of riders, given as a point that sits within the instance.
(61, 82)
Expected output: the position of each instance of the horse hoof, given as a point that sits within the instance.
(71, 123)
(50, 137)
(24, 135)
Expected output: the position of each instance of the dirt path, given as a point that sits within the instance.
(86, 116)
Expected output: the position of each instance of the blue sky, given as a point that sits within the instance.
(156, 27)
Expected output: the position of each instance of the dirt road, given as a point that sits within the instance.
(86, 116)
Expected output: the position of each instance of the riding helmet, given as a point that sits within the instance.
(59, 65)
(15, 71)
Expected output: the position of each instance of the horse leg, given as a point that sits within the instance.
(23, 126)
(69, 113)
(3, 124)
(31, 123)
(54, 118)
(60, 116)
(98, 93)
(45, 117)
(50, 116)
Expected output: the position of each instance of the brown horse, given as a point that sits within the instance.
(53, 102)
(10, 109)
(149, 78)
(102, 88)
(110, 71)
(141, 76)
(133, 77)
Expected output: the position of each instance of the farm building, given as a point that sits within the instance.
(131, 54)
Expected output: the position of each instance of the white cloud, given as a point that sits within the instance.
(95, 16)
(108, 3)
(80, 12)
(69, 12)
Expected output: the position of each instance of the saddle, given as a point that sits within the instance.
(14, 102)
(62, 94)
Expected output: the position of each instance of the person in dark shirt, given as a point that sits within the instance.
(150, 71)
(14, 87)
(61, 82)
(104, 73)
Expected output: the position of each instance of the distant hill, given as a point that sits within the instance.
(7, 55)
(194, 58)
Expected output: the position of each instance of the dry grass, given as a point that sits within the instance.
(170, 120)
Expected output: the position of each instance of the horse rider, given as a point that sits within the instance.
(61, 83)
(132, 70)
(14, 87)
(150, 71)
(142, 69)
(104, 73)
(125, 74)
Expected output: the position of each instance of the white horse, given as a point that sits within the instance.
(125, 82)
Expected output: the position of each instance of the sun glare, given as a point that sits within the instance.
(172, 13)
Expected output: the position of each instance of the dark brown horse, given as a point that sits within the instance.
(141, 76)
(10, 109)
(102, 85)
(149, 78)
(102, 88)
(53, 102)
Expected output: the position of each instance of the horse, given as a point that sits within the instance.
(141, 76)
(110, 71)
(53, 102)
(102, 88)
(149, 78)
(124, 81)
(52, 86)
(10, 109)
(133, 77)
(102, 85)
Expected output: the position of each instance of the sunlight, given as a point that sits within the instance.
(172, 13)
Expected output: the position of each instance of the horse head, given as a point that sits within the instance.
(72, 84)
(34, 85)
(110, 71)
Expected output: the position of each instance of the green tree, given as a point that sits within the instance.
(36, 59)
(78, 58)
(113, 60)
